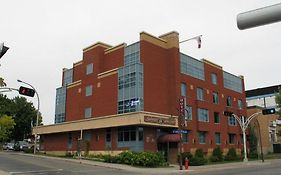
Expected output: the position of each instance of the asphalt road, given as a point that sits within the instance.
(14, 163)
(19, 164)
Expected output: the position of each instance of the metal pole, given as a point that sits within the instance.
(37, 116)
(244, 139)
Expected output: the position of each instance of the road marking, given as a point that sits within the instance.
(38, 171)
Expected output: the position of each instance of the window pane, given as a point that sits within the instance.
(202, 137)
(215, 98)
(200, 94)
(88, 112)
(89, 68)
(216, 117)
(214, 78)
(228, 101)
(183, 89)
(203, 115)
(218, 138)
(89, 90)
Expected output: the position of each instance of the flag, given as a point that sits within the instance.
(198, 39)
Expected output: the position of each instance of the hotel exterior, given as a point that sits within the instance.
(126, 97)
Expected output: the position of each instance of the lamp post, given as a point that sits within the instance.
(244, 124)
(37, 116)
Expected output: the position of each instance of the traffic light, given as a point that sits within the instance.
(26, 91)
(227, 113)
(3, 49)
(268, 111)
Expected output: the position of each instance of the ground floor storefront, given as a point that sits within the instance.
(141, 131)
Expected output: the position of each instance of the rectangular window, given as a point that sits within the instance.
(140, 133)
(203, 115)
(89, 90)
(240, 104)
(214, 78)
(218, 138)
(202, 137)
(185, 137)
(231, 121)
(200, 94)
(231, 138)
(69, 143)
(88, 112)
(89, 69)
(232, 82)
(183, 89)
(126, 134)
(188, 113)
(228, 101)
(108, 135)
(192, 67)
(215, 98)
(216, 117)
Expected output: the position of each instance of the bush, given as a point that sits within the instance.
(231, 155)
(217, 155)
(145, 159)
(198, 158)
(185, 155)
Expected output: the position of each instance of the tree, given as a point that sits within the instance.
(6, 125)
(253, 144)
(23, 113)
(278, 101)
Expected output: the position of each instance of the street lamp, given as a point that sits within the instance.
(37, 116)
(245, 123)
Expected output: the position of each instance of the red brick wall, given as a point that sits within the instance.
(150, 139)
(55, 142)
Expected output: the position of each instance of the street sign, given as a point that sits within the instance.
(176, 131)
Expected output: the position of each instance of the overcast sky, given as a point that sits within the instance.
(45, 36)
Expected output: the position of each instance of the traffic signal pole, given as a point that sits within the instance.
(37, 116)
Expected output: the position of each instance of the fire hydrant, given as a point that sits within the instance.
(186, 163)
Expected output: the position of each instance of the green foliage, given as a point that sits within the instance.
(253, 144)
(198, 158)
(2, 83)
(6, 126)
(23, 113)
(146, 159)
(278, 101)
(185, 155)
(217, 155)
(231, 155)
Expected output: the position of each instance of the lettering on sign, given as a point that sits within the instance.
(157, 120)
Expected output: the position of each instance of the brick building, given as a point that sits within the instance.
(126, 97)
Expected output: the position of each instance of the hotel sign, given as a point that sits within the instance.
(161, 121)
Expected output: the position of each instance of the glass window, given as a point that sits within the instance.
(218, 138)
(228, 101)
(215, 98)
(69, 143)
(67, 76)
(214, 78)
(188, 113)
(185, 137)
(240, 104)
(200, 94)
(232, 82)
(89, 90)
(203, 115)
(231, 121)
(108, 135)
(126, 134)
(140, 134)
(216, 117)
(192, 67)
(231, 138)
(88, 112)
(89, 69)
(183, 89)
(202, 137)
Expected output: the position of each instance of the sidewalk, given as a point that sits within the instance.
(169, 170)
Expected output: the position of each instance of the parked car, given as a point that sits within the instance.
(21, 146)
(10, 146)
(5, 146)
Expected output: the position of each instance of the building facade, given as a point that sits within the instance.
(126, 97)
(266, 126)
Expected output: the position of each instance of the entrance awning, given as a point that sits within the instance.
(169, 138)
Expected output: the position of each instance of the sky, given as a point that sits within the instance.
(45, 36)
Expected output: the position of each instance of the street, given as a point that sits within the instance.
(21, 164)
(14, 163)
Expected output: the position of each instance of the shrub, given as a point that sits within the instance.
(185, 155)
(146, 159)
(231, 155)
(216, 155)
(198, 158)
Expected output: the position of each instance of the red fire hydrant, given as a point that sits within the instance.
(186, 163)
